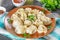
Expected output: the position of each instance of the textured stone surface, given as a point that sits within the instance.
(4, 38)
(7, 4)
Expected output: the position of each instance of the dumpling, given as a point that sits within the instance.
(27, 22)
(20, 30)
(14, 16)
(28, 10)
(20, 11)
(35, 11)
(42, 29)
(31, 29)
(22, 16)
(40, 14)
(17, 23)
(38, 22)
(46, 20)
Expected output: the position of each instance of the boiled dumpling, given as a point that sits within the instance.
(14, 16)
(40, 14)
(17, 23)
(28, 10)
(22, 16)
(35, 11)
(20, 30)
(38, 22)
(31, 29)
(46, 20)
(27, 22)
(20, 10)
(42, 29)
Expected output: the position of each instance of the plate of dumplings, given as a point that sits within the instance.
(29, 21)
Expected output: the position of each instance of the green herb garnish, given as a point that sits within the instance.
(43, 11)
(9, 20)
(31, 17)
(49, 27)
(26, 35)
(51, 5)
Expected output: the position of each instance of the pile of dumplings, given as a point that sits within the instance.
(22, 24)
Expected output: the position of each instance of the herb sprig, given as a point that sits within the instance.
(9, 21)
(26, 35)
(49, 27)
(31, 17)
(43, 11)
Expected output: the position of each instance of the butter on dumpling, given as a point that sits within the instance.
(31, 29)
(46, 20)
(27, 22)
(38, 22)
(42, 29)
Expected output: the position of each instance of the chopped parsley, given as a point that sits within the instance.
(43, 11)
(31, 17)
(9, 20)
(49, 27)
(26, 35)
